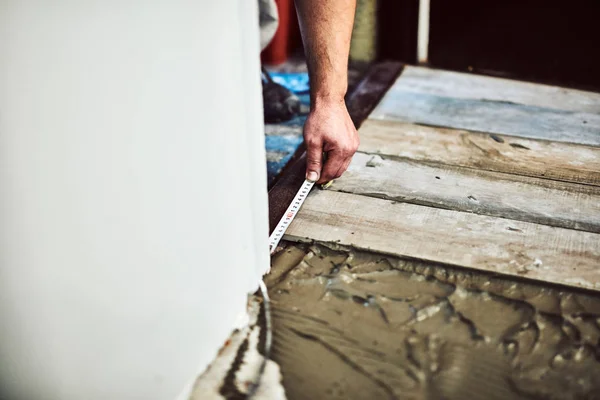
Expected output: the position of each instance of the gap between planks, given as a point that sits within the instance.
(501, 153)
(471, 86)
(527, 250)
(493, 105)
(492, 117)
(559, 204)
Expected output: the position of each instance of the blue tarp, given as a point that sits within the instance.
(282, 146)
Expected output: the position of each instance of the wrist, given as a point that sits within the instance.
(327, 100)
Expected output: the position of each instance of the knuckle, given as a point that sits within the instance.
(312, 141)
(349, 151)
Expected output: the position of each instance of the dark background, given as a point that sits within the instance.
(556, 42)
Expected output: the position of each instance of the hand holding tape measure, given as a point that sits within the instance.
(293, 209)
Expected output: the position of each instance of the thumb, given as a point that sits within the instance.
(314, 161)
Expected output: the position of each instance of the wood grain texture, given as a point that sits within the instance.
(529, 157)
(469, 86)
(498, 245)
(560, 204)
(489, 116)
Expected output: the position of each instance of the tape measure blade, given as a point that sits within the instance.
(289, 215)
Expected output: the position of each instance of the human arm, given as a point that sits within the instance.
(326, 27)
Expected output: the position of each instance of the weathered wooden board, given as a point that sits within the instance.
(530, 157)
(498, 245)
(553, 203)
(469, 86)
(490, 116)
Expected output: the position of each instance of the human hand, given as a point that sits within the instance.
(329, 129)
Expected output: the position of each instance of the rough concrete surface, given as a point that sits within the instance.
(358, 325)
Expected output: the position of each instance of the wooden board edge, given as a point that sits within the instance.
(457, 268)
(497, 162)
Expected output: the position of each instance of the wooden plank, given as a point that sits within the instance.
(530, 157)
(560, 204)
(523, 249)
(490, 116)
(469, 86)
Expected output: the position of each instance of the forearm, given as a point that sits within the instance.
(326, 27)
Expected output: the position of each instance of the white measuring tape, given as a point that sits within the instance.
(289, 215)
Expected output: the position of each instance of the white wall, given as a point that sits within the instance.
(133, 209)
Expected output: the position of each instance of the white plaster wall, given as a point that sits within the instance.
(133, 208)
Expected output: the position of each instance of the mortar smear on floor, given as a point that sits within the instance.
(359, 325)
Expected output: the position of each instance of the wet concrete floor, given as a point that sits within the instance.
(356, 325)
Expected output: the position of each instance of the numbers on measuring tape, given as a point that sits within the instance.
(289, 215)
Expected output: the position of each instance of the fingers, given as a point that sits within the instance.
(335, 161)
(314, 160)
(345, 166)
(340, 161)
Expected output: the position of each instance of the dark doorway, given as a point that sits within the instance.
(556, 42)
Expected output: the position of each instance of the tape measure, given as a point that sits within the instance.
(289, 215)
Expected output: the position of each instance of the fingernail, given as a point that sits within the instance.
(312, 176)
